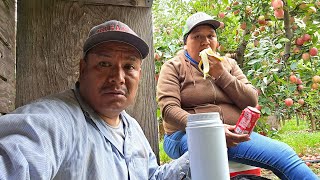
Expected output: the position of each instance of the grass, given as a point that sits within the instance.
(299, 137)
(164, 158)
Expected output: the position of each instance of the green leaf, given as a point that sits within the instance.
(249, 54)
(284, 40)
(275, 77)
(253, 61)
(293, 66)
(292, 88)
(267, 110)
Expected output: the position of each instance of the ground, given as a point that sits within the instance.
(313, 156)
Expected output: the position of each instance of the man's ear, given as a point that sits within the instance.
(140, 73)
(82, 65)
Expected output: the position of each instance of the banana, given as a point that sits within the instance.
(204, 62)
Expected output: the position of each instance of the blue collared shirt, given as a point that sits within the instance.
(61, 137)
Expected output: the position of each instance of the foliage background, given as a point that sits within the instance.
(266, 52)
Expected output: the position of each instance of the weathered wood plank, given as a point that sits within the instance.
(138, 3)
(49, 49)
(7, 55)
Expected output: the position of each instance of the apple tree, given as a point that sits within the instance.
(275, 43)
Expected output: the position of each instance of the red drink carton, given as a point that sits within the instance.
(247, 120)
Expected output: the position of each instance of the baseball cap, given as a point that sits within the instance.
(114, 30)
(197, 19)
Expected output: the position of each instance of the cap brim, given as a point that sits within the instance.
(119, 36)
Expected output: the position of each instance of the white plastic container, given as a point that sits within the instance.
(207, 147)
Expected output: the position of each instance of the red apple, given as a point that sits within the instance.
(300, 87)
(299, 81)
(261, 20)
(292, 20)
(313, 51)
(256, 43)
(316, 79)
(308, 163)
(235, 3)
(301, 101)
(243, 26)
(288, 102)
(248, 10)
(221, 15)
(296, 50)
(262, 28)
(255, 33)
(236, 12)
(299, 41)
(305, 56)
(306, 37)
(293, 78)
(277, 4)
(294, 27)
(279, 13)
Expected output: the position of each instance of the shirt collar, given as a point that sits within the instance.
(190, 58)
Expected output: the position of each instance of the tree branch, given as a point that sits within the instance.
(242, 48)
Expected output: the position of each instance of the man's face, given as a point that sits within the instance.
(109, 77)
(200, 38)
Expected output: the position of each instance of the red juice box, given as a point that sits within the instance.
(247, 120)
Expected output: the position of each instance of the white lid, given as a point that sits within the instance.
(201, 119)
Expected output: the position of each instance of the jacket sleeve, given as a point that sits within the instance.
(168, 94)
(31, 144)
(175, 170)
(237, 87)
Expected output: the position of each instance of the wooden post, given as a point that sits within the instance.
(50, 37)
(7, 55)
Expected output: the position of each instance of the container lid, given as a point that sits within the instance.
(203, 118)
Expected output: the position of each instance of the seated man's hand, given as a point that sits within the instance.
(232, 138)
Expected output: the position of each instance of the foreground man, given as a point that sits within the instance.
(84, 133)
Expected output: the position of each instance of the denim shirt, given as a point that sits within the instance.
(61, 137)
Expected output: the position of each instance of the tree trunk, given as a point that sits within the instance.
(312, 122)
(7, 55)
(241, 49)
(50, 37)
